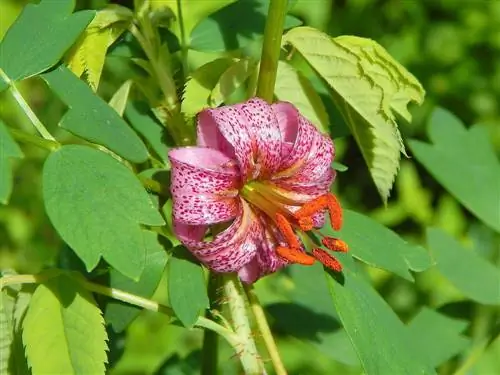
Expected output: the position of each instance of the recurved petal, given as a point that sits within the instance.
(196, 208)
(231, 249)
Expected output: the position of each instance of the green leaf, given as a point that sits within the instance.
(96, 204)
(119, 314)
(64, 330)
(368, 87)
(40, 36)
(381, 340)
(378, 246)
(6, 334)
(233, 78)
(458, 153)
(8, 149)
(293, 87)
(234, 26)
(186, 287)
(469, 272)
(92, 118)
(438, 336)
(119, 99)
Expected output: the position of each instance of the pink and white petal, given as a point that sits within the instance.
(197, 209)
(225, 129)
(264, 130)
(318, 162)
(202, 170)
(312, 189)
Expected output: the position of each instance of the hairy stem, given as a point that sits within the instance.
(265, 331)
(26, 108)
(271, 49)
(46, 144)
(249, 357)
(210, 348)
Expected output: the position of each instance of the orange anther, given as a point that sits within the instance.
(305, 223)
(335, 244)
(327, 201)
(327, 260)
(286, 230)
(295, 255)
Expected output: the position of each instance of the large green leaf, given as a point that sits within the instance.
(119, 314)
(464, 162)
(381, 340)
(438, 336)
(8, 149)
(369, 87)
(468, 271)
(293, 87)
(378, 246)
(63, 330)
(92, 118)
(186, 287)
(96, 204)
(234, 26)
(40, 36)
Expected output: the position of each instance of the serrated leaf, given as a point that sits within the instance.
(6, 335)
(63, 330)
(92, 118)
(378, 246)
(474, 276)
(8, 150)
(96, 204)
(381, 340)
(40, 36)
(229, 81)
(119, 314)
(119, 99)
(293, 87)
(186, 287)
(368, 85)
(438, 336)
(464, 163)
(200, 85)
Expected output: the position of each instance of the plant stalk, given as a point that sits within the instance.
(46, 144)
(210, 347)
(271, 49)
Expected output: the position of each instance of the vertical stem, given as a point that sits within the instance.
(249, 357)
(210, 338)
(182, 31)
(271, 49)
(265, 331)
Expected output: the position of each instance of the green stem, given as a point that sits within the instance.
(34, 140)
(210, 347)
(249, 357)
(26, 108)
(271, 49)
(265, 331)
(184, 47)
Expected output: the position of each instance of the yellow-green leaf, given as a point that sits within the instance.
(119, 100)
(293, 87)
(369, 87)
(231, 80)
(63, 330)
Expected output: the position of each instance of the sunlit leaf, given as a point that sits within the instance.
(97, 205)
(229, 81)
(292, 87)
(6, 335)
(119, 99)
(474, 276)
(92, 118)
(464, 162)
(63, 330)
(8, 150)
(40, 36)
(368, 86)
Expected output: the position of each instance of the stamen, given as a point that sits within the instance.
(295, 255)
(286, 230)
(305, 223)
(327, 201)
(335, 244)
(327, 260)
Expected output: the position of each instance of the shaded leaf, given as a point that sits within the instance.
(292, 87)
(96, 205)
(368, 86)
(119, 314)
(92, 118)
(233, 78)
(381, 340)
(438, 336)
(8, 149)
(40, 36)
(6, 334)
(186, 287)
(464, 163)
(469, 272)
(64, 330)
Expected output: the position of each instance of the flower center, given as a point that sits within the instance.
(291, 222)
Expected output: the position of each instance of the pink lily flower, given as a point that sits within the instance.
(259, 177)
